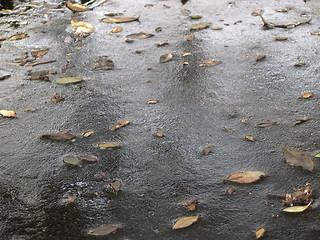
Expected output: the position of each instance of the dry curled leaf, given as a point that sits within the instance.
(8, 113)
(57, 99)
(261, 57)
(298, 159)
(257, 12)
(119, 125)
(299, 197)
(281, 10)
(39, 53)
(82, 27)
(116, 186)
(230, 190)
(301, 120)
(296, 209)
(140, 35)
(260, 233)
(206, 150)
(88, 158)
(281, 39)
(61, 136)
(166, 57)
(307, 95)
(87, 134)
(18, 36)
(245, 177)
(200, 26)
(75, 7)
(191, 205)
(209, 63)
(120, 19)
(104, 230)
(265, 124)
(190, 37)
(161, 44)
(104, 63)
(185, 222)
(4, 77)
(159, 134)
(250, 138)
(116, 30)
(153, 101)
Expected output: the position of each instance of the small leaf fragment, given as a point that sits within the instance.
(207, 150)
(217, 28)
(307, 95)
(315, 33)
(88, 158)
(119, 125)
(250, 138)
(70, 199)
(82, 27)
(281, 10)
(257, 12)
(161, 44)
(18, 36)
(39, 53)
(261, 57)
(69, 80)
(166, 57)
(104, 63)
(104, 230)
(61, 136)
(185, 222)
(109, 145)
(191, 205)
(120, 19)
(4, 77)
(317, 155)
(244, 121)
(116, 186)
(30, 109)
(159, 134)
(301, 120)
(153, 101)
(87, 134)
(117, 30)
(72, 160)
(196, 17)
(200, 26)
(260, 233)
(245, 177)
(265, 124)
(209, 63)
(75, 7)
(186, 12)
(186, 54)
(230, 190)
(8, 113)
(190, 37)
(140, 35)
(57, 99)
(298, 159)
(281, 39)
(296, 209)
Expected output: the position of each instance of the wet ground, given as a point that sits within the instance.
(198, 107)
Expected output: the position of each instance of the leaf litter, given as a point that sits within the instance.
(120, 19)
(165, 58)
(8, 113)
(245, 177)
(209, 63)
(191, 205)
(119, 125)
(260, 233)
(116, 186)
(104, 230)
(201, 26)
(76, 7)
(299, 159)
(61, 136)
(185, 222)
(140, 35)
(104, 63)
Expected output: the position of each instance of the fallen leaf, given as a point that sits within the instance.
(245, 177)
(191, 205)
(57, 99)
(281, 38)
(185, 63)
(39, 63)
(315, 33)
(296, 209)
(117, 29)
(61, 136)
(72, 160)
(301, 64)
(75, 7)
(140, 35)
(161, 44)
(206, 150)
(260, 233)
(216, 28)
(116, 186)
(196, 17)
(166, 57)
(159, 134)
(298, 159)
(99, 176)
(299, 197)
(261, 57)
(120, 19)
(18, 36)
(250, 138)
(109, 145)
(39, 53)
(184, 2)
(317, 155)
(266, 124)
(209, 63)
(230, 190)
(104, 63)
(8, 113)
(69, 80)
(158, 29)
(186, 54)
(200, 26)
(257, 12)
(104, 230)
(70, 199)
(301, 120)
(30, 109)
(307, 95)
(5, 77)
(244, 121)
(185, 12)
(87, 134)
(190, 37)
(119, 125)
(281, 10)
(185, 222)
(153, 101)
(82, 27)
(88, 158)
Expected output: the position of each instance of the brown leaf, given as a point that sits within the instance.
(70, 199)
(18, 37)
(206, 150)
(217, 28)
(281, 38)
(57, 99)
(104, 230)
(266, 124)
(209, 63)
(61, 136)
(140, 35)
(5, 77)
(39, 63)
(30, 109)
(185, 222)
(257, 12)
(87, 134)
(116, 186)
(161, 44)
(153, 101)
(120, 19)
(88, 158)
(166, 57)
(82, 27)
(109, 145)
(281, 10)
(8, 113)
(119, 125)
(244, 121)
(261, 57)
(250, 138)
(117, 29)
(230, 190)
(201, 26)
(191, 205)
(104, 63)
(40, 53)
(301, 120)
(186, 12)
(298, 159)
(159, 134)
(260, 233)
(307, 95)
(245, 177)
(315, 33)
(190, 37)
(300, 196)
(75, 7)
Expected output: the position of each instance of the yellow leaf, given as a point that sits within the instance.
(209, 63)
(185, 222)
(8, 113)
(18, 37)
(75, 7)
(87, 134)
(307, 95)
(109, 145)
(120, 19)
(245, 177)
(159, 134)
(153, 101)
(260, 233)
(82, 27)
(297, 208)
(117, 29)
